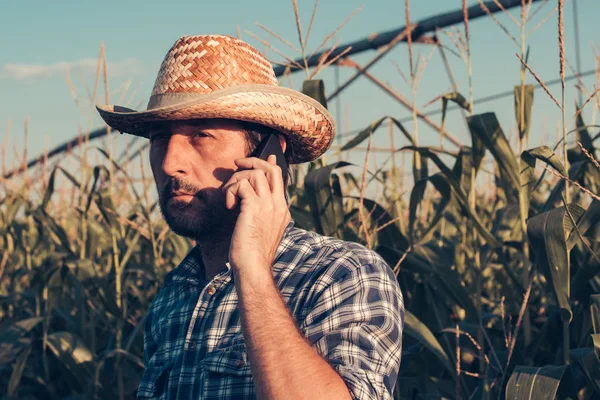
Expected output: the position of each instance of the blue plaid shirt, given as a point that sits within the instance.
(344, 298)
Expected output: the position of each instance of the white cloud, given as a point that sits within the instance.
(125, 67)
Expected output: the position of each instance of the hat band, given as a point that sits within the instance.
(177, 98)
(165, 100)
(170, 99)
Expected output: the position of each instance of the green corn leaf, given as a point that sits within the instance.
(458, 99)
(545, 154)
(528, 163)
(463, 166)
(49, 189)
(420, 169)
(419, 331)
(577, 172)
(507, 226)
(17, 372)
(595, 312)
(324, 192)
(373, 126)
(434, 265)
(585, 359)
(442, 186)
(416, 195)
(486, 128)
(71, 351)
(580, 284)
(525, 104)
(316, 89)
(302, 218)
(583, 135)
(71, 178)
(12, 208)
(596, 341)
(454, 97)
(107, 207)
(97, 234)
(363, 135)
(458, 193)
(548, 233)
(540, 383)
(97, 172)
(12, 337)
(57, 232)
(419, 165)
(589, 223)
(390, 235)
(119, 168)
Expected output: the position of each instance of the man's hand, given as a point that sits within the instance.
(258, 189)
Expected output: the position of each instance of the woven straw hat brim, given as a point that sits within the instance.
(307, 125)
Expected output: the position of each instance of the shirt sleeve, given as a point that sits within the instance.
(150, 345)
(356, 322)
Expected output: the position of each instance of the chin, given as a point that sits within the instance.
(198, 223)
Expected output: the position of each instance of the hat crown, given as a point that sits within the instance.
(205, 63)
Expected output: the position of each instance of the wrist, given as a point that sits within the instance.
(252, 277)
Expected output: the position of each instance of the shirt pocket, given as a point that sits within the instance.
(232, 360)
(155, 380)
(227, 374)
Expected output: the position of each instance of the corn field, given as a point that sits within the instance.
(501, 286)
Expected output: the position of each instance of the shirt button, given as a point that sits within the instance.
(192, 344)
(211, 290)
(240, 363)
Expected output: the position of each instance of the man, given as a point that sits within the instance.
(258, 308)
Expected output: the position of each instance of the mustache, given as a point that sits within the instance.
(179, 185)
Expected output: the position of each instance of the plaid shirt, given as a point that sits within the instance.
(344, 298)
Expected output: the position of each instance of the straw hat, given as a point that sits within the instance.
(213, 76)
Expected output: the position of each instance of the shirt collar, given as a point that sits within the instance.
(192, 266)
(285, 242)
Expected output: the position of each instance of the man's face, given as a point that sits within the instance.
(191, 161)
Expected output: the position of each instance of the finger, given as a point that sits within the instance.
(274, 181)
(257, 179)
(272, 170)
(242, 174)
(238, 192)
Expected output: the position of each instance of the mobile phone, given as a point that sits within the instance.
(270, 145)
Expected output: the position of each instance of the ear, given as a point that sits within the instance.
(282, 143)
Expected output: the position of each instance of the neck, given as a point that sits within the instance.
(214, 253)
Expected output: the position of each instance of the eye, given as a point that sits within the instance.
(199, 134)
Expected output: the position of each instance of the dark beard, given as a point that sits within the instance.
(209, 221)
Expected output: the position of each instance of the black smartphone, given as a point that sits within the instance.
(270, 145)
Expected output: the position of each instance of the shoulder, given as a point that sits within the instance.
(327, 259)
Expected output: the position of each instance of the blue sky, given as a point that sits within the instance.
(40, 42)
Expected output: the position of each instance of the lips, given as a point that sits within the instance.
(177, 194)
(180, 189)
(180, 196)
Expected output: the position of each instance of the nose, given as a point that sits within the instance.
(175, 162)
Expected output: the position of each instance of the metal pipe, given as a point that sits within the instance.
(375, 41)
(404, 101)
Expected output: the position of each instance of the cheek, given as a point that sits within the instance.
(216, 167)
(221, 161)
(223, 174)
